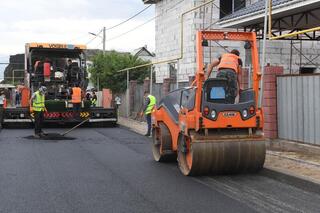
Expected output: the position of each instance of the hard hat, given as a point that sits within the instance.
(43, 89)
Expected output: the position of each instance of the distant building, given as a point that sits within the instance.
(14, 72)
(143, 53)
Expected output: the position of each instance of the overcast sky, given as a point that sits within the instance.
(70, 21)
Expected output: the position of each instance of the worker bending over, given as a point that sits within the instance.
(229, 67)
(150, 102)
(37, 102)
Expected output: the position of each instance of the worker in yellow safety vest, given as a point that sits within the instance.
(76, 98)
(149, 104)
(94, 99)
(37, 103)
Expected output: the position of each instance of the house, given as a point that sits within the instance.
(243, 15)
(143, 53)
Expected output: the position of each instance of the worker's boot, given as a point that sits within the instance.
(43, 133)
(37, 136)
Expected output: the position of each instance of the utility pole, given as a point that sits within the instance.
(104, 40)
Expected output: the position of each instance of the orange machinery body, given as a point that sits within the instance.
(193, 121)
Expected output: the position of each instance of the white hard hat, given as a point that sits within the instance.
(43, 89)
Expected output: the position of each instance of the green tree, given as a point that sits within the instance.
(105, 67)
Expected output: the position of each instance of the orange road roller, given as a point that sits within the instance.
(201, 129)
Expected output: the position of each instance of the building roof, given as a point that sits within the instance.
(142, 51)
(259, 7)
(150, 1)
(254, 13)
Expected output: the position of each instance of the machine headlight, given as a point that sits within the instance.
(97, 114)
(21, 115)
(245, 113)
(213, 114)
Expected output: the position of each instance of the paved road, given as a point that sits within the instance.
(112, 170)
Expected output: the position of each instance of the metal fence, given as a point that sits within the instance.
(138, 101)
(298, 102)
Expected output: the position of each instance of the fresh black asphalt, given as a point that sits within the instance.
(112, 170)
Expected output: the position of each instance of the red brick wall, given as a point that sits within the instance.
(133, 86)
(244, 79)
(270, 101)
(146, 85)
(166, 86)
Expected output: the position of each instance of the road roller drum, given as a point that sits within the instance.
(199, 157)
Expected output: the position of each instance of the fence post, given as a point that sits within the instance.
(127, 95)
(166, 86)
(270, 101)
(133, 87)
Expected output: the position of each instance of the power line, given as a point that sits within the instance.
(122, 34)
(133, 29)
(135, 15)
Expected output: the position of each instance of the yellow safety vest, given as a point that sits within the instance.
(93, 101)
(38, 103)
(151, 104)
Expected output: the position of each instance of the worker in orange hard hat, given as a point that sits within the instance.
(229, 67)
(76, 99)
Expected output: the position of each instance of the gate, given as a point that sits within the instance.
(298, 102)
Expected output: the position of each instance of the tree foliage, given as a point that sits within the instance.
(105, 67)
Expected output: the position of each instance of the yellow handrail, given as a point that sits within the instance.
(295, 33)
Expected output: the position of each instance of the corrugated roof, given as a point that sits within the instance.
(259, 7)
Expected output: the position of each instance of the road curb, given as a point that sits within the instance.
(299, 181)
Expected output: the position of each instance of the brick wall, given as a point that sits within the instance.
(270, 101)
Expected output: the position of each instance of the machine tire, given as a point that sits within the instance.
(161, 144)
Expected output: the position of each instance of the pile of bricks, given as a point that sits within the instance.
(270, 101)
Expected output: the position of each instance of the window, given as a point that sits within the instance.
(228, 7)
(173, 70)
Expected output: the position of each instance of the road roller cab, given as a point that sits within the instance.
(202, 130)
(215, 107)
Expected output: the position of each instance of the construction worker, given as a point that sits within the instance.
(69, 70)
(94, 99)
(76, 99)
(37, 102)
(229, 67)
(2, 106)
(150, 102)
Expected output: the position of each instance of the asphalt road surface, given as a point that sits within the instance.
(112, 170)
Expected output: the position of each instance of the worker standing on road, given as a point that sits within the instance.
(94, 99)
(2, 104)
(229, 67)
(76, 99)
(150, 102)
(37, 102)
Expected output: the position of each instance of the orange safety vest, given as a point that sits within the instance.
(76, 95)
(4, 103)
(229, 61)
